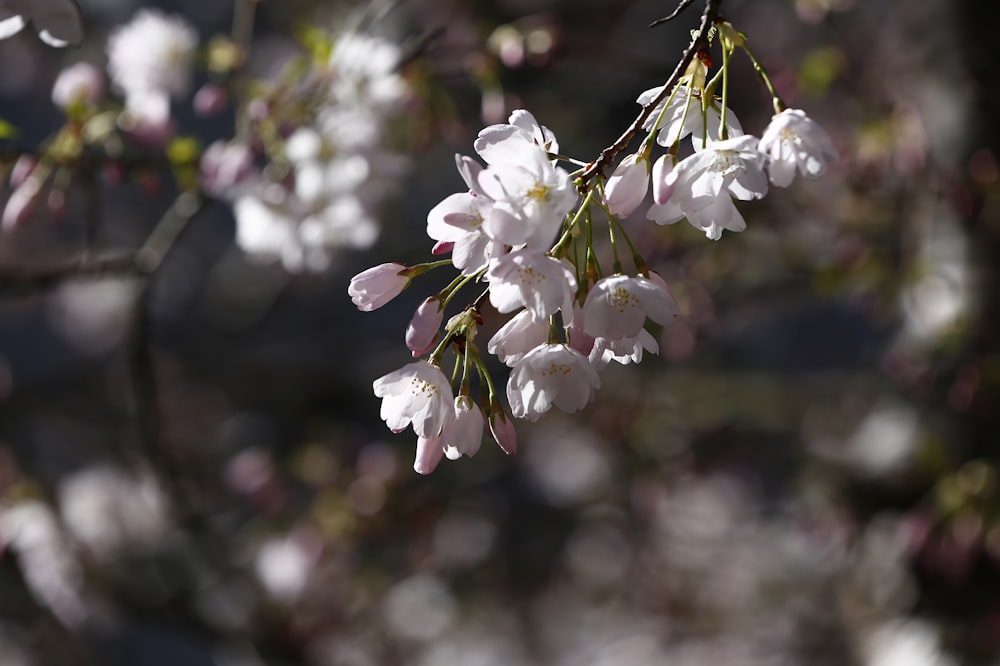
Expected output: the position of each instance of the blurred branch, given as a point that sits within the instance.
(699, 42)
(681, 6)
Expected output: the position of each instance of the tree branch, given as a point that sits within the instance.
(700, 40)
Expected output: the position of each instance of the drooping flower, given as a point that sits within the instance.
(720, 213)
(551, 374)
(624, 351)
(793, 141)
(517, 337)
(417, 394)
(684, 116)
(627, 186)
(57, 21)
(464, 435)
(734, 165)
(618, 305)
(541, 283)
(372, 288)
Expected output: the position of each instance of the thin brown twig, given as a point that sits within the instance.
(681, 6)
(700, 40)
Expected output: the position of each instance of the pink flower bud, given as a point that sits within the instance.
(21, 203)
(210, 100)
(430, 451)
(661, 169)
(422, 331)
(23, 167)
(443, 247)
(627, 186)
(373, 288)
(79, 83)
(503, 432)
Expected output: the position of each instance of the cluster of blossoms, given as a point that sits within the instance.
(309, 163)
(524, 227)
(337, 166)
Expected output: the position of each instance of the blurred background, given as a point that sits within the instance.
(806, 475)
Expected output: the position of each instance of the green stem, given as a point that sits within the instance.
(726, 52)
(567, 232)
(779, 104)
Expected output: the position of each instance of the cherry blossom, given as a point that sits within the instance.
(464, 435)
(624, 351)
(541, 283)
(551, 374)
(417, 394)
(503, 432)
(677, 124)
(618, 305)
(793, 141)
(522, 333)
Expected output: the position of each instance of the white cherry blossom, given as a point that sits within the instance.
(517, 337)
(417, 394)
(618, 305)
(506, 143)
(793, 141)
(533, 280)
(713, 217)
(530, 199)
(464, 435)
(734, 165)
(551, 374)
(676, 124)
(624, 351)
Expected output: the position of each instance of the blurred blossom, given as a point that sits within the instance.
(107, 510)
(598, 554)
(78, 83)
(419, 608)
(31, 530)
(885, 440)
(284, 564)
(906, 643)
(463, 538)
(941, 294)
(567, 462)
(93, 314)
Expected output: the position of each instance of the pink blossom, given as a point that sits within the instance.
(78, 83)
(628, 185)
(503, 431)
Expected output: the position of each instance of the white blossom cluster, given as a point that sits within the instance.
(512, 230)
(339, 163)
